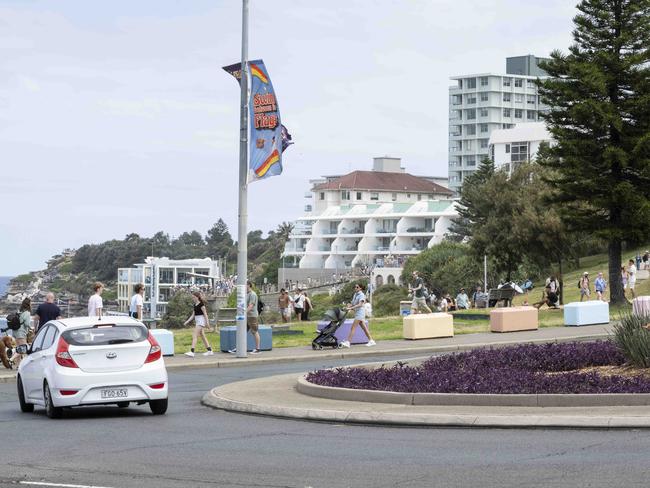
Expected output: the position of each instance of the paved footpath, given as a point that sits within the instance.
(277, 395)
(383, 348)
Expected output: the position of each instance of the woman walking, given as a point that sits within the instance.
(21, 333)
(359, 306)
(200, 316)
(306, 307)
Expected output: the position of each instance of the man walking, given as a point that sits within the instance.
(283, 305)
(585, 286)
(46, 311)
(95, 304)
(137, 302)
(252, 316)
(419, 301)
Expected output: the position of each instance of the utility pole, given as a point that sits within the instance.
(242, 241)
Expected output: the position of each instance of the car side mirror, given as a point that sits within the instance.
(23, 349)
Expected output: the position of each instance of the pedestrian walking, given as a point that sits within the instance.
(95, 303)
(462, 300)
(298, 304)
(307, 306)
(585, 286)
(631, 277)
(46, 311)
(283, 305)
(20, 334)
(137, 302)
(600, 285)
(358, 306)
(200, 317)
(419, 300)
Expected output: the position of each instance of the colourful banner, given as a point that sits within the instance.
(268, 138)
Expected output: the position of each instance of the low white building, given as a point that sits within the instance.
(519, 144)
(370, 219)
(161, 277)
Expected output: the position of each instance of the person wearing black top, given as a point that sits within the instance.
(200, 316)
(46, 311)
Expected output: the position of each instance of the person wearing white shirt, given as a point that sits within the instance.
(298, 304)
(95, 304)
(631, 278)
(137, 302)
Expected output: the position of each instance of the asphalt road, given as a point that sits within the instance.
(194, 446)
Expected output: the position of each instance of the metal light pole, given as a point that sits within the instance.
(242, 245)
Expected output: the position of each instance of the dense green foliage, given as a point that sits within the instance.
(386, 298)
(633, 340)
(179, 309)
(599, 94)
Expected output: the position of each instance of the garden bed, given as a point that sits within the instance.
(567, 368)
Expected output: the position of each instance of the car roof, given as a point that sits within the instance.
(81, 322)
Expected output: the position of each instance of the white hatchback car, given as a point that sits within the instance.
(92, 361)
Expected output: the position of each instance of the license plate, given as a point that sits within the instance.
(115, 393)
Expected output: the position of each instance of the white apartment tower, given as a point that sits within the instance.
(481, 103)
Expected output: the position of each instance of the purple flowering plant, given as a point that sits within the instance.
(525, 368)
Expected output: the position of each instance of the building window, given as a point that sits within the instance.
(519, 113)
(530, 83)
(471, 161)
(408, 195)
(531, 99)
(419, 194)
(470, 130)
(519, 98)
(470, 99)
(471, 114)
(470, 83)
(507, 126)
(374, 196)
(394, 195)
(530, 115)
(456, 99)
(507, 97)
(507, 148)
(483, 127)
(167, 275)
(506, 113)
(484, 143)
(519, 152)
(430, 196)
(468, 145)
(358, 195)
(519, 82)
(345, 195)
(484, 81)
(507, 81)
(484, 112)
(484, 97)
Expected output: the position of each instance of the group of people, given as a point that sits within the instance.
(422, 299)
(299, 303)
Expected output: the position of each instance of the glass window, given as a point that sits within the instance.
(50, 335)
(519, 82)
(470, 130)
(484, 127)
(530, 115)
(507, 97)
(103, 335)
(166, 275)
(37, 345)
(484, 97)
(519, 113)
(507, 148)
(530, 83)
(506, 112)
(183, 277)
(484, 112)
(519, 98)
(519, 152)
(484, 143)
(345, 195)
(484, 81)
(322, 195)
(471, 161)
(374, 196)
(358, 195)
(470, 99)
(470, 83)
(507, 81)
(393, 196)
(531, 99)
(471, 114)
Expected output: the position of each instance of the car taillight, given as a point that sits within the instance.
(155, 353)
(63, 357)
(157, 386)
(69, 392)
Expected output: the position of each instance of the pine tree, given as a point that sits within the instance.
(599, 94)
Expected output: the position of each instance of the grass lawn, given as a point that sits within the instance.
(386, 328)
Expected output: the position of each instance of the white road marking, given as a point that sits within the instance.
(59, 485)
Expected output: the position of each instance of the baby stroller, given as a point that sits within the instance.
(325, 337)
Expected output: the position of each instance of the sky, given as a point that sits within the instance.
(116, 117)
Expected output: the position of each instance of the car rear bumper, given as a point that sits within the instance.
(89, 386)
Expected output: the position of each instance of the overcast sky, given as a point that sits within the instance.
(116, 117)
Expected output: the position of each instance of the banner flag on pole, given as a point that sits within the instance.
(268, 137)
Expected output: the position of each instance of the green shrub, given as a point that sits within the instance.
(23, 278)
(385, 300)
(633, 339)
(179, 308)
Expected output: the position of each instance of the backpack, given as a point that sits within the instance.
(260, 306)
(425, 293)
(13, 321)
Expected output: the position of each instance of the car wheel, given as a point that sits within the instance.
(158, 407)
(24, 406)
(50, 410)
(122, 404)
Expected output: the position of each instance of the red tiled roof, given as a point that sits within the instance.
(383, 181)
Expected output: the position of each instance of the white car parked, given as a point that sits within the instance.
(92, 361)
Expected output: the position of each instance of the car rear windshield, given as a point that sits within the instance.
(105, 335)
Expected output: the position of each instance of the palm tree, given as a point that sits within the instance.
(284, 231)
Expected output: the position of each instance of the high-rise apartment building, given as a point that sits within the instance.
(481, 103)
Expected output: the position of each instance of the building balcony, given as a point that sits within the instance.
(419, 230)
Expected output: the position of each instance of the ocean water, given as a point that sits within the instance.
(4, 281)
